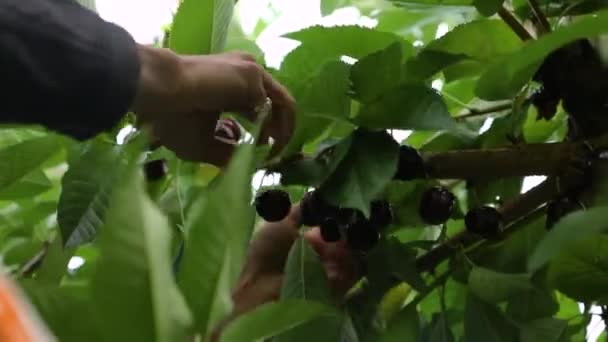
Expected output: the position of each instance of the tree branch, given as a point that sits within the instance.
(473, 112)
(512, 212)
(525, 160)
(515, 25)
(544, 25)
(35, 262)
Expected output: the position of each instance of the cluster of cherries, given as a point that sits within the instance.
(361, 233)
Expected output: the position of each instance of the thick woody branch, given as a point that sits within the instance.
(511, 212)
(515, 25)
(543, 23)
(526, 160)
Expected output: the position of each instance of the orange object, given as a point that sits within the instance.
(19, 322)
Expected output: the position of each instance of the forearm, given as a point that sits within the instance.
(64, 67)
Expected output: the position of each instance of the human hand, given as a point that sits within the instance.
(262, 276)
(181, 98)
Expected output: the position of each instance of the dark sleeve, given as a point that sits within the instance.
(64, 67)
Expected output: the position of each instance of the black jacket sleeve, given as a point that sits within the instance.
(64, 67)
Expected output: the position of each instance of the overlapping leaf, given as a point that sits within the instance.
(93, 172)
(133, 289)
(201, 26)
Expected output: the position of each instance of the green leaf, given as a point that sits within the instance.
(440, 330)
(327, 94)
(581, 270)
(201, 27)
(369, 165)
(87, 186)
(321, 44)
(506, 76)
(305, 277)
(404, 326)
(486, 39)
(433, 2)
(531, 305)
(323, 100)
(30, 185)
(55, 263)
(69, 315)
(488, 7)
(313, 172)
(546, 330)
(216, 236)
(495, 287)
(580, 225)
(391, 258)
(376, 73)
(329, 6)
(409, 106)
(23, 158)
(271, 319)
(485, 322)
(133, 288)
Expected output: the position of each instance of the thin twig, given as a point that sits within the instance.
(544, 25)
(515, 25)
(473, 112)
(35, 262)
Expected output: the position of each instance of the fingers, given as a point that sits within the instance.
(338, 261)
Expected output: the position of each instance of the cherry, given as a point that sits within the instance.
(155, 170)
(273, 205)
(411, 165)
(436, 205)
(330, 230)
(484, 221)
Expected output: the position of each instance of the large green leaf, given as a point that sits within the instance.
(580, 225)
(409, 106)
(320, 44)
(68, 314)
(305, 277)
(23, 158)
(93, 172)
(328, 6)
(30, 185)
(313, 172)
(200, 26)
(133, 288)
(581, 270)
(486, 39)
(322, 101)
(488, 7)
(533, 304)
(376, 73)
(369, 165)
(546, 330)
(271, 319)
(393, 259)
(218, 227)
(506, 76)
(433, 2)
(494, 287)
(404, 326)
(485, 322)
